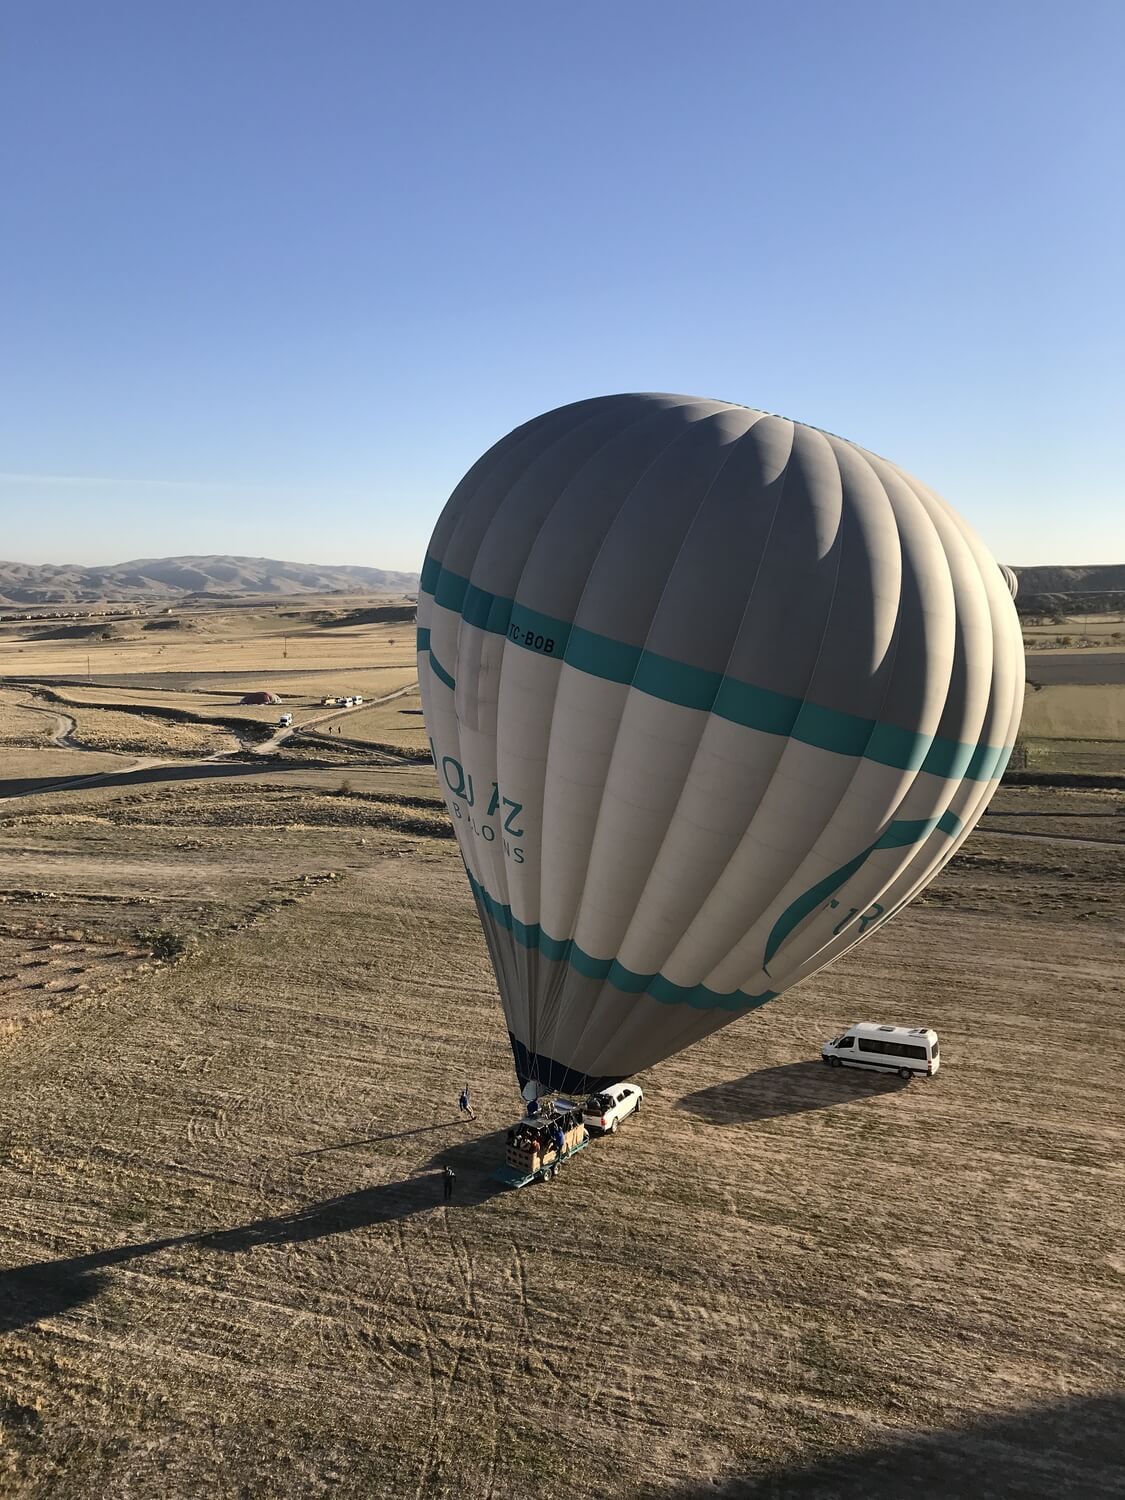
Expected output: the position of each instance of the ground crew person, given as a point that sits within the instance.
(448, 1178)
(463, 1104)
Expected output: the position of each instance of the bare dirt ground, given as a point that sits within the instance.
(230, 1272)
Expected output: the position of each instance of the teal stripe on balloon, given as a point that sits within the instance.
(436, 667)
(441, 674)
(566, 950)
(694, 687)
(900, 834)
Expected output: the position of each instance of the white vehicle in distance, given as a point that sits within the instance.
(905, 1050)
(285, 721)
(605, 1110)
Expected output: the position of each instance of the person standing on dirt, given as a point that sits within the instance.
(448, 1178)
(464, 1105)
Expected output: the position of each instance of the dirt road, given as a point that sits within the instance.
(66, 728)
(267, 747)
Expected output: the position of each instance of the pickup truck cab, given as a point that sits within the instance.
(605, 1110)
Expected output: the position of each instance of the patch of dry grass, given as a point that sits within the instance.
(21, 725)
(1075, 711)
(398, 724)
(138, 734)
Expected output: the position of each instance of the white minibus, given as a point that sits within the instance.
(905, 1050)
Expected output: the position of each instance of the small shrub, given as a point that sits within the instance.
(168, 946)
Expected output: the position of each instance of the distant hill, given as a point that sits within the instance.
(1099, 578)
(180, 577)
(1096, 589)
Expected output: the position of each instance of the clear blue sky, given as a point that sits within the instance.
(275, 273)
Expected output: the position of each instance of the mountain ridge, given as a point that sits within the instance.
(226, 575)
(217, 574)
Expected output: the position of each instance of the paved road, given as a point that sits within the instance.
(1052, 668)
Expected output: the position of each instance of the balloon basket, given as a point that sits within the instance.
(530, 1154)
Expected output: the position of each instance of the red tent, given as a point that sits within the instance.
(260, 698)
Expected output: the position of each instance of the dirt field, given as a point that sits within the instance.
(257, 643)
(238, 997)
(230, 1271)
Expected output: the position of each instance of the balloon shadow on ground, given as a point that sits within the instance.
(1068, 1448)
(789, 1089)
(47, 1288)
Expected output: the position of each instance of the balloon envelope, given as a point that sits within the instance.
(711, 696)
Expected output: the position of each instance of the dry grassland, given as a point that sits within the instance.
(21, 725)
(139, 734)
(231, 1273)
(398, 723)
(1076, 712)
(254, 642)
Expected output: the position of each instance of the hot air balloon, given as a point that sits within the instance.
(711, 695)
(1011, 579)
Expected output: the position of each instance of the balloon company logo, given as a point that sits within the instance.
(462, 806)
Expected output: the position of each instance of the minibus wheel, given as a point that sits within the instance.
(907, 1073)
(835, 1062)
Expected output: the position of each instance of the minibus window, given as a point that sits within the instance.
(934, 1050)
(845, 1041)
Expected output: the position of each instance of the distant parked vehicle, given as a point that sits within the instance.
(357, 700)
(905, 1050)
(605, 1110)
(285, 721)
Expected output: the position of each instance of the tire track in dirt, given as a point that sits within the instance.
(426, 1332)
(478, 1330)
